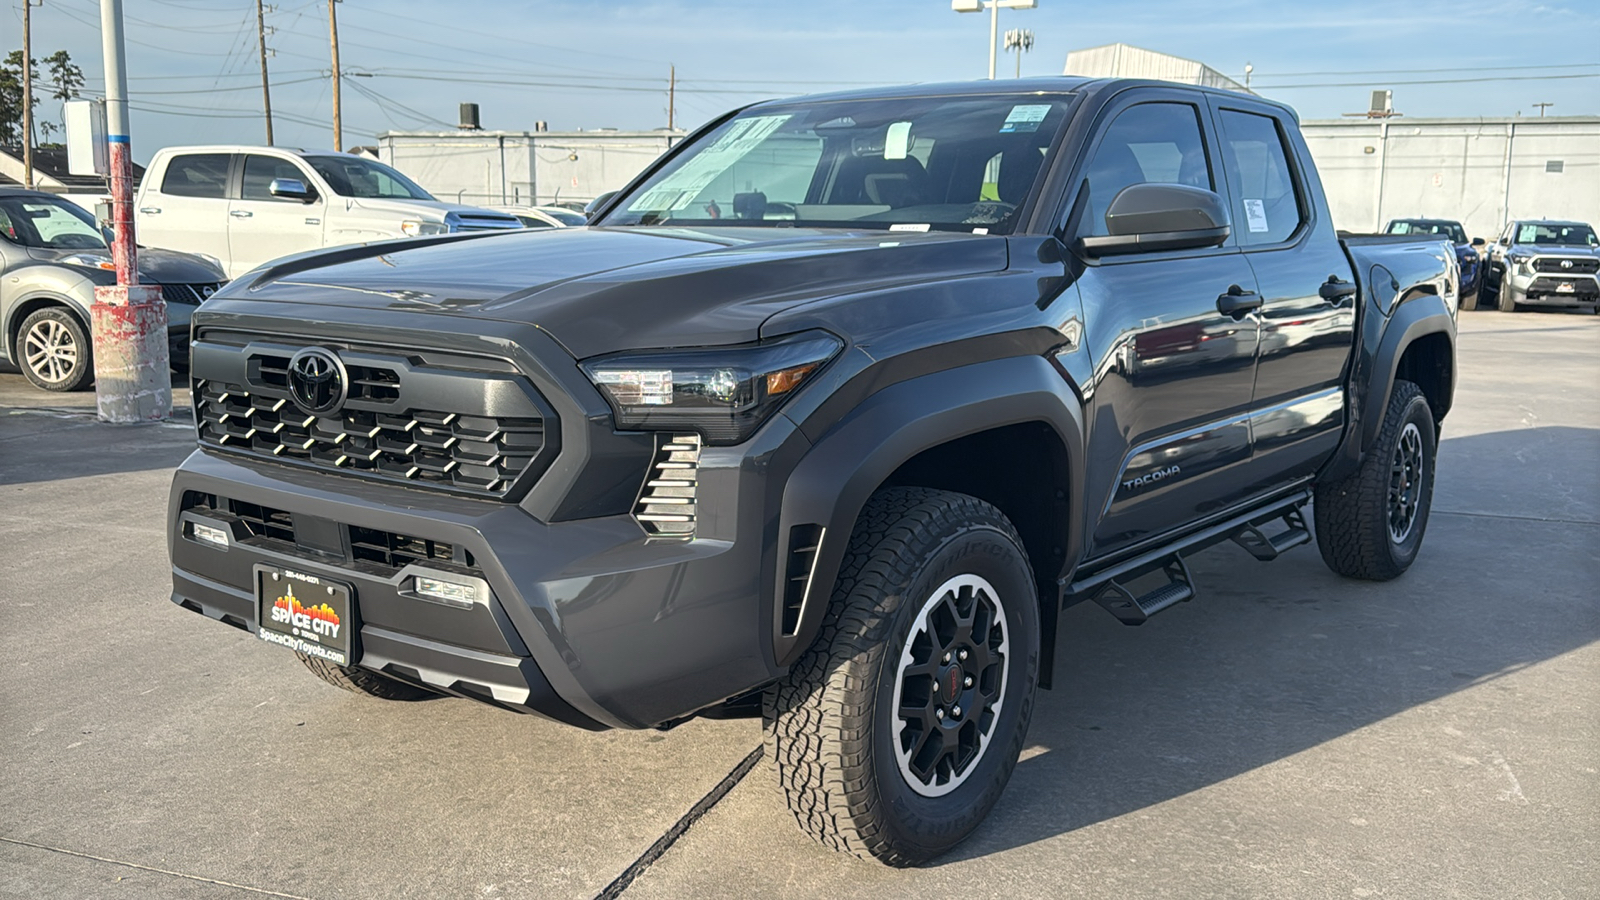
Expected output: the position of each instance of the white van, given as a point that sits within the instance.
(249, 205)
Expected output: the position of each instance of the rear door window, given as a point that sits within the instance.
(197, 175)
(1266, 207)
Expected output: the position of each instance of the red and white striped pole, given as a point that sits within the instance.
(131, 362)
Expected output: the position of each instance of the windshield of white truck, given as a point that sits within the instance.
(1542, 233)
(905, 164)
(49, 224)
(352, 176)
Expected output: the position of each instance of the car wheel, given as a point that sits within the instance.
(54, 352)
(1370, 524)
(365, 681)
(895, 733)
(1507, 300)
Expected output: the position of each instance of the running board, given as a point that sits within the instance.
(1267, 548)
(1136, 610)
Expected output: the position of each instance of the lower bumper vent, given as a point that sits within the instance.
(666, 506)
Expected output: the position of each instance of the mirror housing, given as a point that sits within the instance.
(1149, 217)
(596, 203)
(1477, 242)
(291, 189)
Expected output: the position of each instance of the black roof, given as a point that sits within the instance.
(52, 162)
(1044, 84)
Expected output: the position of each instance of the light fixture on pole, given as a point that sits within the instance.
(1020, 40)
(994, 7)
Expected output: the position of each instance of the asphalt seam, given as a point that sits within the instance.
(665, 842)
(1482, 515)
(143, 868)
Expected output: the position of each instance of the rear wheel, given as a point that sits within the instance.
(366, 681)
(895, 733)
(53, 350)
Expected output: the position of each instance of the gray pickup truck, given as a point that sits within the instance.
(823, 419)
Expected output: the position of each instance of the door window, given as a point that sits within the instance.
(197, 175)
(1150, 142)
(259, 172)
(1264, 199)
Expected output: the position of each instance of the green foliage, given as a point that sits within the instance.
(64, 82)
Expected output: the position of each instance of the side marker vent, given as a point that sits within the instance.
(804, 542)
(666, 506)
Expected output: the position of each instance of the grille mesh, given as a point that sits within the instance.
(1580, 266)
(666, 506)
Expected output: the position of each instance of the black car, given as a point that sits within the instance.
(823, 419)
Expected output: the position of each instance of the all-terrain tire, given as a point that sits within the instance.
(832, 724)
(54, 351)
(366, 681)
(1356, 516)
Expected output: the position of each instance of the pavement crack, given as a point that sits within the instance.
(143, 868)
(1483, 515)
(665, 842)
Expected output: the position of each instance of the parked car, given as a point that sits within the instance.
(249, 205)
(1469, 253)
(544, 216)
(810, 425)
(1538, 262)
(52, 255)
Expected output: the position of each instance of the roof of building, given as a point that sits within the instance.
(50, 170)
(1128, 61)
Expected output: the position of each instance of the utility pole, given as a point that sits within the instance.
(27, 93)
(1542, 107)
(266, 92)
(333, 36)
(672, 96)
(133, 382)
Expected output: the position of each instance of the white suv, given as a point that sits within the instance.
(249, 205)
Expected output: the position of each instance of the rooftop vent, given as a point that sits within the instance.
(469, 118)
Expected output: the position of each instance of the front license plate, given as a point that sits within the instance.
(1564, 287)
(305, 613)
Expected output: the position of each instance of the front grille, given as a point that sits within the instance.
(666, 506)
(1549, 285)
(1580, 265)
(189, 294)
(456, 222)
(375, 383)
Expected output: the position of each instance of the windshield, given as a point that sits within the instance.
(1451, 230)
(49, 224)
(352, 176)
(914, 164)
(1540, 233)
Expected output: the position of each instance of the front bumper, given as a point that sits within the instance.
(588, 621)
(1545, 288)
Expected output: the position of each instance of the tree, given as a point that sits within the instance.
(65, 82)
(11, 98)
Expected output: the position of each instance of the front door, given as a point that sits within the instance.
(188, 210)
(262, 227)
(1169, 432)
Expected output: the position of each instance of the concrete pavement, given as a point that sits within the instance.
(1288, 734)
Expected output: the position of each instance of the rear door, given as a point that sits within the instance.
(188, 209)
(1170, 436)
(1307, 330)
(262, 227)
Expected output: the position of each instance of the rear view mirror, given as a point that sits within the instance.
(596, 203)
(1149, 217)
(291, 189)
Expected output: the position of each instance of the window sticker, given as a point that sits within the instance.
(1255, 212)
(678, 190)
(1025, 117)
(898, 141)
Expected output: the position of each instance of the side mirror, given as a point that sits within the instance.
(596, 203)
(291, 189)
(1477, 242)
(1149, 217)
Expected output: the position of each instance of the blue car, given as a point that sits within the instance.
(1469, 254)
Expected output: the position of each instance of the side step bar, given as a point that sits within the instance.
(1267, 549)
(1131, 610)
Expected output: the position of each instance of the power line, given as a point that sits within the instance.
(1388, 82)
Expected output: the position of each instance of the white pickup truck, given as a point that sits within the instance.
(246, 206)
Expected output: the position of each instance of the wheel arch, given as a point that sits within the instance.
(27, 306)
(1007, 431)
(1418, 345)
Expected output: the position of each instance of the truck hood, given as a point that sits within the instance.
(598, 290)
(432, 210)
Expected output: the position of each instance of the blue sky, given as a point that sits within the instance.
(193, 66)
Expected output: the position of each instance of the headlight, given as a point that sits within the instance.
(725, 393)
(417, 228)
(91, 261)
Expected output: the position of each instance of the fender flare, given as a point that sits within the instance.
(1411, 320)
(846, 465)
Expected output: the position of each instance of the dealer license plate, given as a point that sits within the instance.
(305, 613)
(1564, 287)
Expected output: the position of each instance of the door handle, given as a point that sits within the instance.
(150, 210)
(1335, 291)
(240, 213)
(1238, 301)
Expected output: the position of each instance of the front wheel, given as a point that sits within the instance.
(54, 352)
(895, 733)
(1507, 300)
(367, 682)
(1370, 524)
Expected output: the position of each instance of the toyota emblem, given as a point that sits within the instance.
(317, 381)
(1566, 264)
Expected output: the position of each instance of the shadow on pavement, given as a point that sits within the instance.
(1275, 659)
(40, 445)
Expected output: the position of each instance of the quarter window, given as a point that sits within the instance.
(1266, 209)
(1150, 142)
(197, 175)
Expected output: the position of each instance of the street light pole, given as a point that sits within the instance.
(129, 320)
(993, 6)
